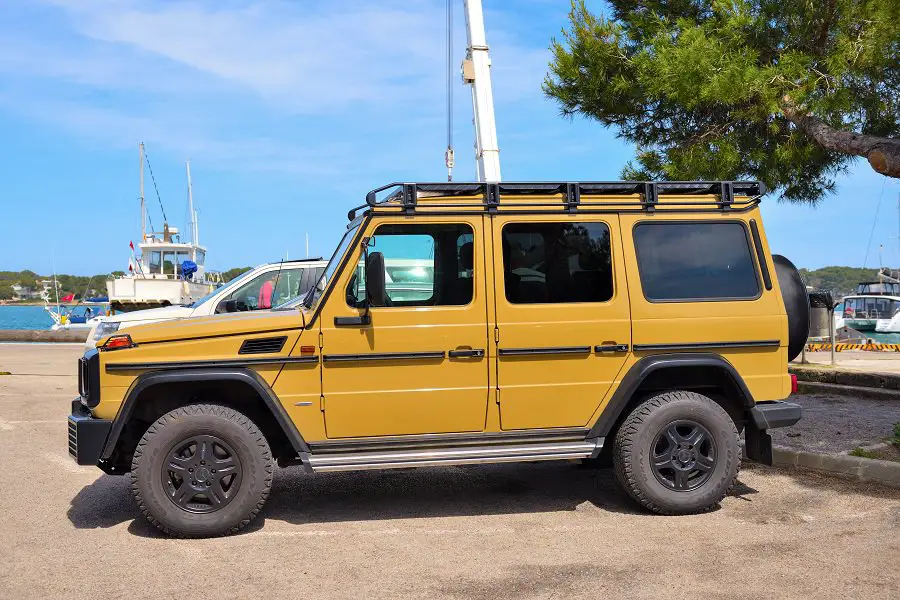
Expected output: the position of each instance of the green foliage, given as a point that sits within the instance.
(235, 272)
(6, 292)
(863, 453)
(838, 280)
(68, 284)
(700, 85)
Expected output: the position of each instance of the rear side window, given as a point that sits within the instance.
(552, 263)
(695, 261)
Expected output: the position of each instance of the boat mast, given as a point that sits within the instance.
(195, 232)
(477, 73)
(143, 208)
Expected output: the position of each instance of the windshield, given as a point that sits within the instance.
(315, 293)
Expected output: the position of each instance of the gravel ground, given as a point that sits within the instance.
(834, 424)
(547, 530)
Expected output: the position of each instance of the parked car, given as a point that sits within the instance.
(643, 323)
(249, 291)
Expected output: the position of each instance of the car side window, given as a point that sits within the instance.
(266, 290)
(553, 263)
(425, 265)
(692, 261)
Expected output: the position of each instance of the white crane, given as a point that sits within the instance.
(476, 71)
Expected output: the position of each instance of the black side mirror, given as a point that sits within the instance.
(376, 291)
(222, 307)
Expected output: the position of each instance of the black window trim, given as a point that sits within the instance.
(750, 251)
(382, 222)
(566, 218)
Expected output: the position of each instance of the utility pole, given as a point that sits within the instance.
(476, 71)
(143, 208)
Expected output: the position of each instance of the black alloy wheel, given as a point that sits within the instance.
(202, 474)
(683, 455)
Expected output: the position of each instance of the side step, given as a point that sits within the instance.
(357, 461)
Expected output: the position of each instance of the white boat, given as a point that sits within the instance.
(166, 270)
(88, 317)
(874, 307)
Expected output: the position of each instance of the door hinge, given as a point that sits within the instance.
(321, 340)
(496, 335)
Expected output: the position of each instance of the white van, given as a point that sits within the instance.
(258, 289)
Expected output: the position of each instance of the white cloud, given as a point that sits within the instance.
(303, 87)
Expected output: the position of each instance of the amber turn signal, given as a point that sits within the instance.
(118, 342)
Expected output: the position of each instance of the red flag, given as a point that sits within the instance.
(68, 298)
(131, 244)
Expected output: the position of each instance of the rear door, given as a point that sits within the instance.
(561, 315)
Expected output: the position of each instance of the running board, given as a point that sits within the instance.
(358, 461)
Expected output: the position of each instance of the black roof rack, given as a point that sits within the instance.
(407, 195)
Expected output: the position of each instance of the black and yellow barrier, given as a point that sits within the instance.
(840, 347)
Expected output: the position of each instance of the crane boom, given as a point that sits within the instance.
(477, 73)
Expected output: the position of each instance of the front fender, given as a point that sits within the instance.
(244, 375)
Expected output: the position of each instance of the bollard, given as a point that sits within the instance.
(831, 329)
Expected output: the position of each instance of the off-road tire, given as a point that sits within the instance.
(232, 427)
(634, 443)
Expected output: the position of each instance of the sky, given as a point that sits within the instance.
(290, 112)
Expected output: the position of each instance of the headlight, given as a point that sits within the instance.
(105, 328)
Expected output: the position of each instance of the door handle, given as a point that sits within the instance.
(611, 348)
(466, 353)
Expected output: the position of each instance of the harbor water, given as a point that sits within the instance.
(24, 317)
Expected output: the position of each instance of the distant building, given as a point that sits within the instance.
(21, 292)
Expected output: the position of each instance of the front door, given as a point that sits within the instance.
(562, 316)
(420, 365)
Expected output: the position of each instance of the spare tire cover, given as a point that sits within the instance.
(796, 304)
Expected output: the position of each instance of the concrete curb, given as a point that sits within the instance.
(862, 469)
(887, 381)
(812, 387)
(43, 335)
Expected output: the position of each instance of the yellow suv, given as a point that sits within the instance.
(644, 322)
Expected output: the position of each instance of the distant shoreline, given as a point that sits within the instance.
(29, 303)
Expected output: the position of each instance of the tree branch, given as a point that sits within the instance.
(882, 153)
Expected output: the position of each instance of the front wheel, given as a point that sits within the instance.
(677, 453)
(201, 470)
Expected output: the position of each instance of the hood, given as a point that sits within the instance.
(263, 321)
(153, 314)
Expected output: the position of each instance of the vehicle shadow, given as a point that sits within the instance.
(301, 498)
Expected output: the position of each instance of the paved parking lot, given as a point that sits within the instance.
(551, 530)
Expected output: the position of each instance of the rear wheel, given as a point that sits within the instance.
(201, 470)
(677, 453)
